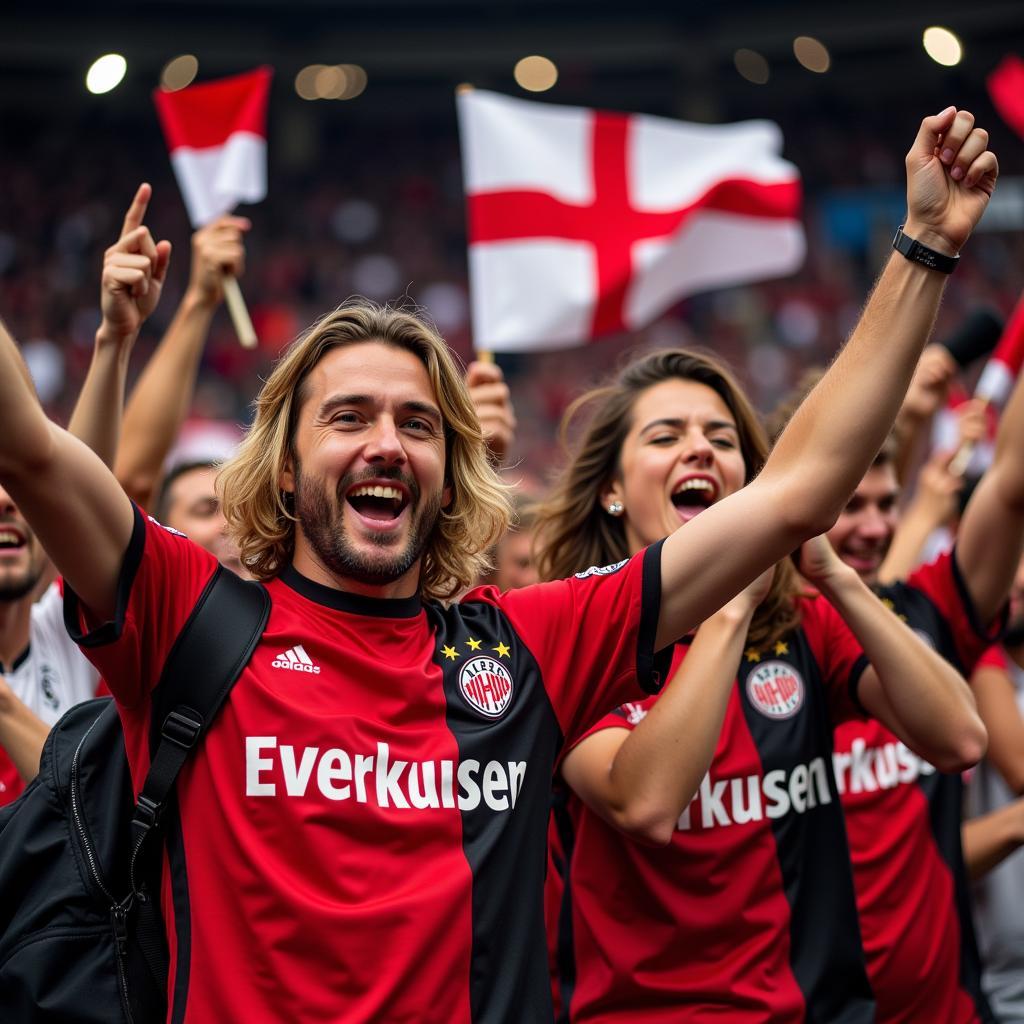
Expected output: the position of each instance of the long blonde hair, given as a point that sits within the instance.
(258, 513)
(573, 531)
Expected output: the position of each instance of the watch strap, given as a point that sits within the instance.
(918, 253)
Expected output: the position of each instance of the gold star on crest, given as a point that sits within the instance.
(503, 650)
(474, 645)
(449, 652)
(782, 648)
(888, 603)
(752, 654)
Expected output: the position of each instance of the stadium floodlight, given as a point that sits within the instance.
(306, 81)
(179, 72)
(942, 46)
(812, 54)
(535, 74)
(752, 66)
(106, 73)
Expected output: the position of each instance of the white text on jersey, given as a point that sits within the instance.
(755, 797)
(341, 775)
(868, 769)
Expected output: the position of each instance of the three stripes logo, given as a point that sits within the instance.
(295, 659)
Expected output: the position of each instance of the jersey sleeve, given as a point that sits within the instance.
(994, 657)
(839, 656)
(593, 636)
(162, 577)
(943, 584)
(625, 716)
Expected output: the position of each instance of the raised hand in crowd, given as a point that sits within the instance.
(162, 397)
(908, 686)
(929, 387)
(134, 270)
(933, 506)
(218, 250)
(493, 403)
(928, 391)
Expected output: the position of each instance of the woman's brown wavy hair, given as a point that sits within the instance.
(260, 517)
(573, 531)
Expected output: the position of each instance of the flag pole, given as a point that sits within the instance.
(963, 456)
(239, 312)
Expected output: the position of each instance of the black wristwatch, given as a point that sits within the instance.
(914, 250)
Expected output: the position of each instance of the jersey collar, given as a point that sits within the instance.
(344, 601)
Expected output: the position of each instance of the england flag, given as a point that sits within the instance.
(583, 223)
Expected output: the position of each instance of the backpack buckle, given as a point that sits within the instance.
(147, 813)
(181, 730)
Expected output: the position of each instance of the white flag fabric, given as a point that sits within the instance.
(1005, 364)
(582, 223)
(217, 136)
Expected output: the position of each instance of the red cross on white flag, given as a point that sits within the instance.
(582, 223)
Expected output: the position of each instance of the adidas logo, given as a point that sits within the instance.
(295, 659)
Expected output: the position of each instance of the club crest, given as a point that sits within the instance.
(776, 689)
(486, 685)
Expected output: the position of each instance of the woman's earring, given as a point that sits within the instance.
(615, 509)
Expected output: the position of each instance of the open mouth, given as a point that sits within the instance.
(694, 495)
(380, 502)
(11, 540)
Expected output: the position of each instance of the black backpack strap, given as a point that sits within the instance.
(206, 660)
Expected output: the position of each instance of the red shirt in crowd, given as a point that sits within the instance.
(361, 835)
(748, 914)
(903, 822)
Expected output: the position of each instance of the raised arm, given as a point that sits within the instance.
(832, 438)
(162, 396)
(991, 534)
(990, 838)
(909, 687)
(929, 388)
(934, 505)
(96, 419)
(22, 732)
(72, 500)
(641, 780)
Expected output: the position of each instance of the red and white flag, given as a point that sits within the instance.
(1006, 88)
(582, 223)
(1004, 365)
(217, 135)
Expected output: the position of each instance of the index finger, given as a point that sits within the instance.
(137, 211)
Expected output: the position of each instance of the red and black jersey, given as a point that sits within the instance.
(903, 820)
(748, 914)
(361, 836)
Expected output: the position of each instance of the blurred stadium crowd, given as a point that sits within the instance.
(378, 211)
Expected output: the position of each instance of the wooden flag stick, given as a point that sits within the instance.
(485, 355)
(963, 456)
(239, 313)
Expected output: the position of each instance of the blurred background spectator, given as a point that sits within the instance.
(365, 192)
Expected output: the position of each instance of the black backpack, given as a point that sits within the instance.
(81, 934)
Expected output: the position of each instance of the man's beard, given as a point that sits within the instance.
(14, 588)
(324, 527)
